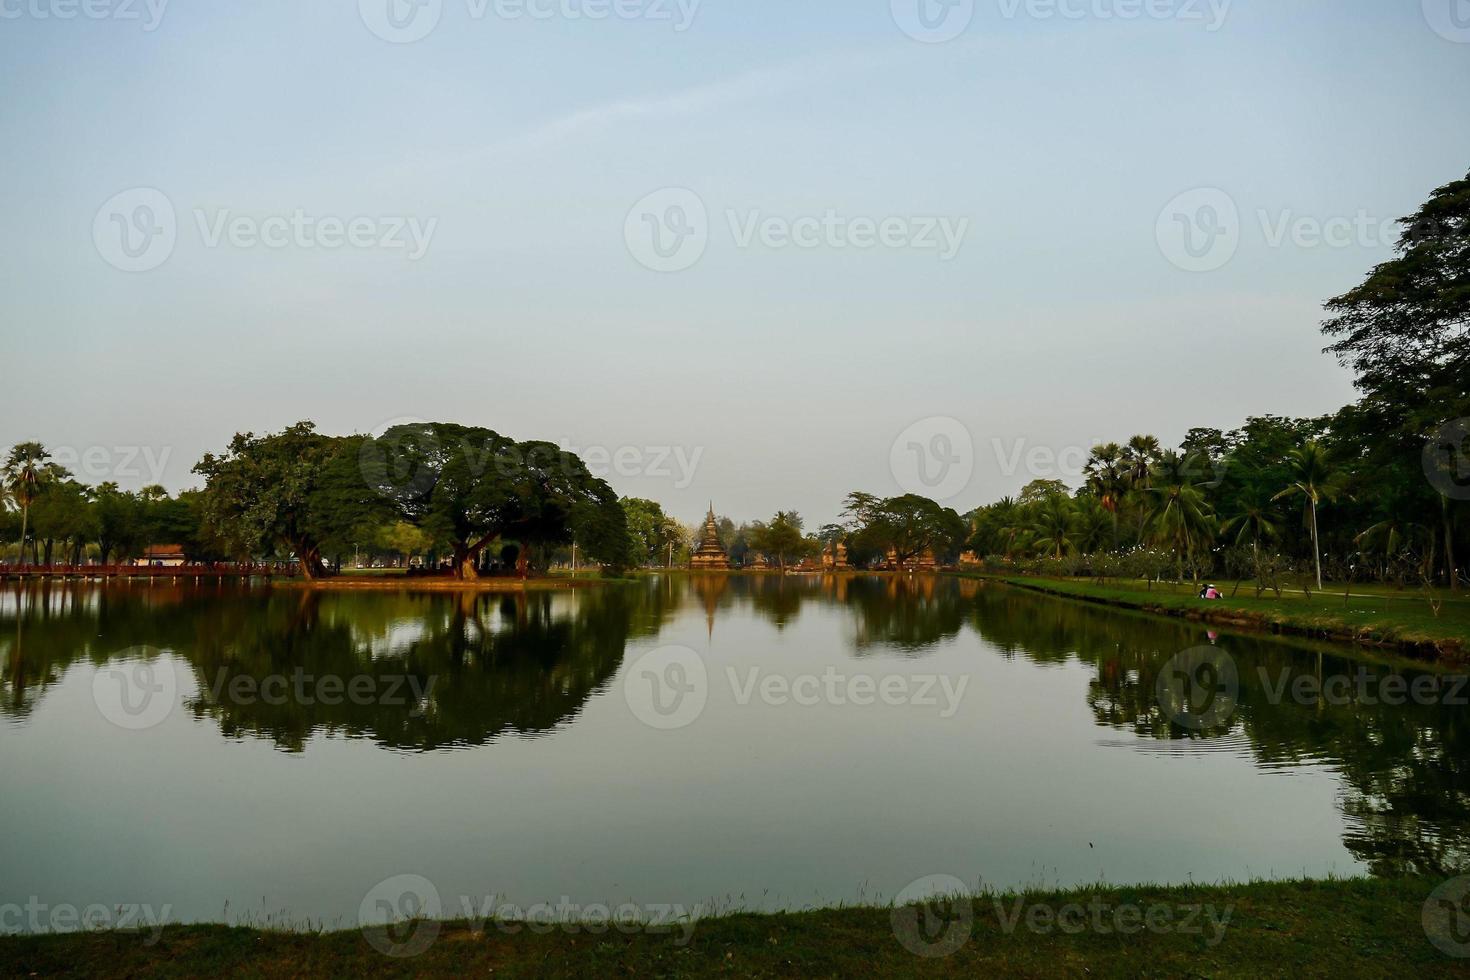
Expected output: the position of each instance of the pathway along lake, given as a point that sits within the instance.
(762, 742)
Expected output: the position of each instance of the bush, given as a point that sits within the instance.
(1106, 565)
(1149, 564)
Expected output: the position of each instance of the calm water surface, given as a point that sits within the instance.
(520, 746)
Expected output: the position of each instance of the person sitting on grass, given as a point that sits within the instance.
(1210, 592)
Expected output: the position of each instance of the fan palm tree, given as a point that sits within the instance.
(25, 472)
(1316, 479)
(1139, 456)
(1107, 478)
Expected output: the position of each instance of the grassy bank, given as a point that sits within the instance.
(1379, 615)
(1360, 927)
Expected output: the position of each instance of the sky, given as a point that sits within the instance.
(757, 253)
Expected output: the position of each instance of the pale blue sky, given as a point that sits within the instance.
(790, 371)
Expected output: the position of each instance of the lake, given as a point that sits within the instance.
(258, 755)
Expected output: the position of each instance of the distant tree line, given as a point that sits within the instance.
(1376, 490)
(467, 495)
(53, 518)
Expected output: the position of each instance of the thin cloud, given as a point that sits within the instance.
(760, 83)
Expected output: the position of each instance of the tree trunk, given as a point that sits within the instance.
(1449, 545)
(25, 513)
(1316, 547)
(310, 560)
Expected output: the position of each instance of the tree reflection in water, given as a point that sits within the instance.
(525, 664)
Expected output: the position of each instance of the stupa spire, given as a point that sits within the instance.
(710, 554)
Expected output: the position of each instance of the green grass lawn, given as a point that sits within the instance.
(1359, 927)
(1375, 614)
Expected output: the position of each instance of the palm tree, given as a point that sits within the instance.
(25, 472)
(1317, 480)
(1054, 525)
(1107, 479)
(1393, 537)
(1181, 519)
(7, 501)
(1139, 457)
(1174, 469)
(1009, 522)
(1253, 519)
(1096, 525)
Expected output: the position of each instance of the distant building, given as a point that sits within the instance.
(162, 555)
(710, 555)
(834, 557)
(923, 562)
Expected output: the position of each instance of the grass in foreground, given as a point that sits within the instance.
(1359, 927)
(1378, 615)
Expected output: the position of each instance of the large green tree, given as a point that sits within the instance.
(62, 513)
(289, 490)
(652, 534)
(905, 527)
(472, 486)
(780, 538)
(1405, 331)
